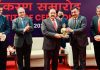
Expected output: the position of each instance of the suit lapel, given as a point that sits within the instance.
(71, 22)
(78, 22)
(57, 23)
(51, 24)
(96, 22)
(19, 22)
(25, 21)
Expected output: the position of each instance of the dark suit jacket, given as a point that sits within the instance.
(79, 33)
(64, 20)
(4, 25)
(21, 37)
(50, 42)
(64, 40)
(94, 26)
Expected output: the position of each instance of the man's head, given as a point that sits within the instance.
(1, 10)
(98, 10)
(60, 14)
(75, 12)
(52, 13)
(21, 12)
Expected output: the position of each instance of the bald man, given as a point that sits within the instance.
(51, 30)
(23, 26)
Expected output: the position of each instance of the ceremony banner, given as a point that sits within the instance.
(37, 10)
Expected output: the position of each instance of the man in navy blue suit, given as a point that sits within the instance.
(63, 40)
(4, 30)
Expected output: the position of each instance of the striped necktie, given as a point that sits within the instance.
(74, 25)
(54, 24)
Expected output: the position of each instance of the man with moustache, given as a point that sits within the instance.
(51, 31)
(95, 30)
(78, 38)
(64, 21)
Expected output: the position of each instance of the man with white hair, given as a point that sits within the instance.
(23, 26)
(95, 30)
(51, 31)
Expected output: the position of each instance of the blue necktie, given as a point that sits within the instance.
(23, 25)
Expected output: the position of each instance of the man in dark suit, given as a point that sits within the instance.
(51, 45)
(95, 30)
(77, 25)
(23, 27)
(63, 40)
(64, 21)
(4, 30)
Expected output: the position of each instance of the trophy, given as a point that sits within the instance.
(64, 31)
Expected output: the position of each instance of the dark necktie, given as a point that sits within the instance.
(99, 26)
(74, 23)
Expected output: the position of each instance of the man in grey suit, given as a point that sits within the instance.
(23, 27)
(78, 38)
(51, 45)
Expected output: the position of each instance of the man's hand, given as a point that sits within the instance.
(97, 37)
(61, 48)
(69, 29)
(27, 28)
(58, 35)
(2, 37)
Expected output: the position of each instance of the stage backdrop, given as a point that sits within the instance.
(38, 10)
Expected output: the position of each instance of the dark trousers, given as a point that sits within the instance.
(51, 55)
(3, 55)
(79, 57)
(23, 53)
(97, 53)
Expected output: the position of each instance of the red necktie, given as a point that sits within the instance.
(99, 26)
(54, 24)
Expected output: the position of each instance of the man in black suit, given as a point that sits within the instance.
(4, 30)
(51, 45)
(95, 30)
(77, 26)
(23, 26)
(63, 40)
